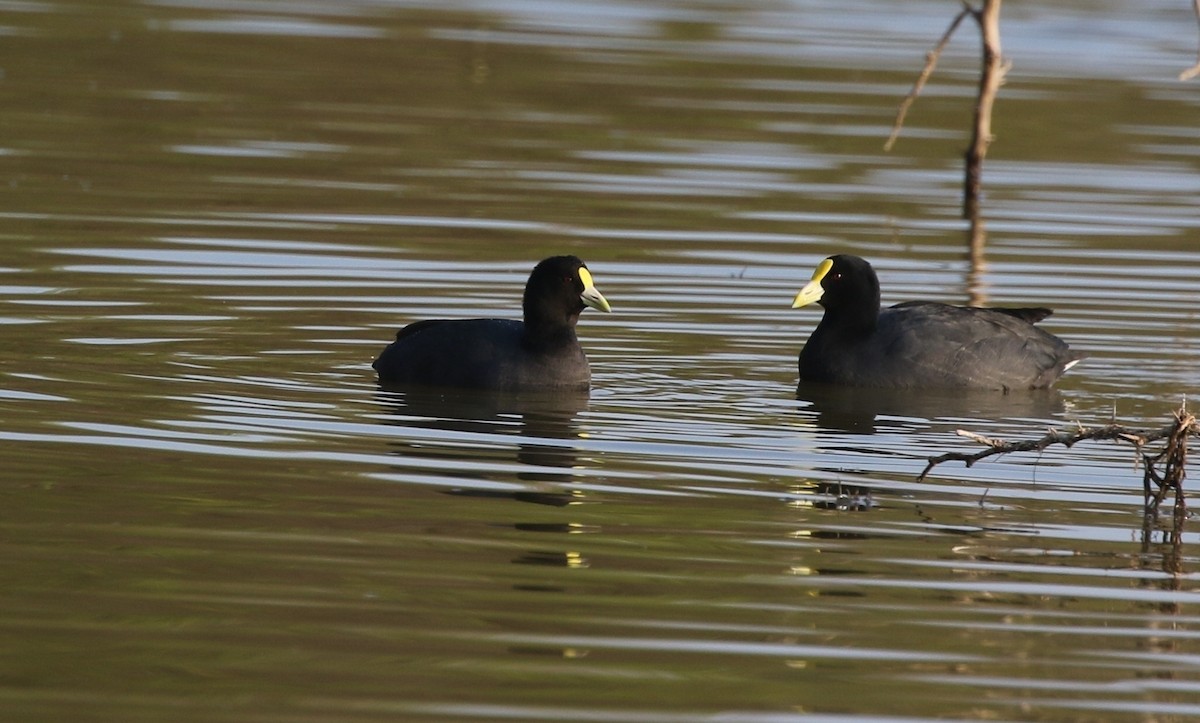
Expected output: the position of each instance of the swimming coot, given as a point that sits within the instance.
(541, 351)
(921, 344)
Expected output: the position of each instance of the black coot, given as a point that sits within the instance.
(540, 352)
(921, 344)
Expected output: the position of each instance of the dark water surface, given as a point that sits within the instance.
(216, 213)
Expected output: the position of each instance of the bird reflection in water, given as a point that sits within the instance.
(480, 427)
(857, 410)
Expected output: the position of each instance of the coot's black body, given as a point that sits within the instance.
(921, 344)
(503, 354)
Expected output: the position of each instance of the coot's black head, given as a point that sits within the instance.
(558, 290)
(842, 284)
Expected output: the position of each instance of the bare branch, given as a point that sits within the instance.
(931, 59)
(1000, 446)
(1185, 425)
(995, 67)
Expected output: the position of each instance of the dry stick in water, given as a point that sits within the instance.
(1172, 459)
(991, 77)
(990, 80)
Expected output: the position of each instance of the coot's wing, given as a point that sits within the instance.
(418, 326)
(931, 344)
(1031, 314)
(473, 353)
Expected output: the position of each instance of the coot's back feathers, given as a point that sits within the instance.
(1031, 314)
(540, 352)
(417, 326)
(921, 344)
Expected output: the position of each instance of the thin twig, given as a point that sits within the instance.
(931, 59)
(1193, 71)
